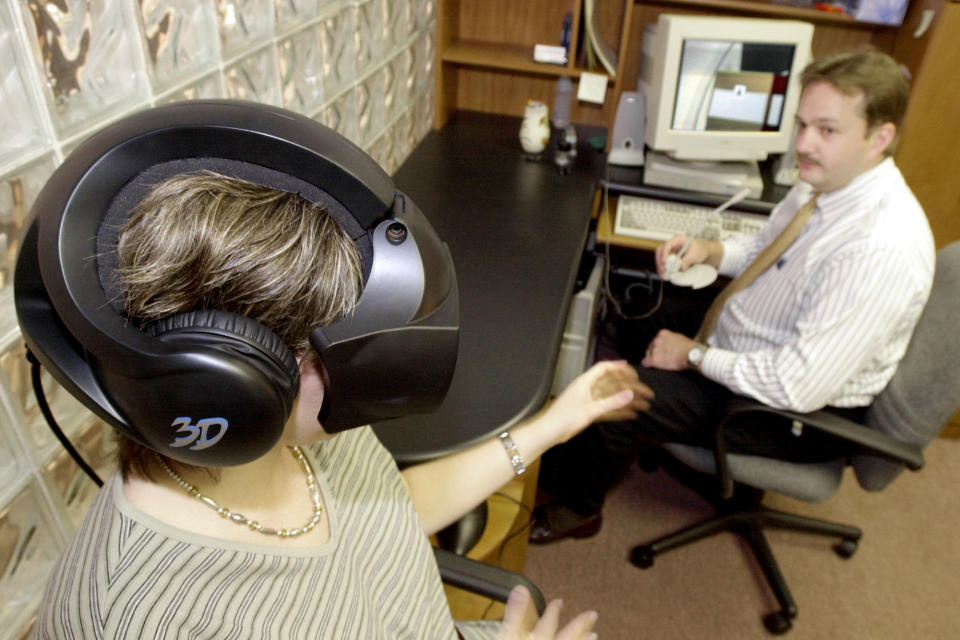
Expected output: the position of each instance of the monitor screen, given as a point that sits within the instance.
(722, 88)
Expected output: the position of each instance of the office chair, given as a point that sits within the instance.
(475, 576)
(918, 401)
(484, 579)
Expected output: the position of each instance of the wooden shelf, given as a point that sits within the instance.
(517, 58)
(770, 9)
(485, 47)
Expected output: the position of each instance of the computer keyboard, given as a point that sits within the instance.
(654, 219)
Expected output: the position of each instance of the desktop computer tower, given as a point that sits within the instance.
(579, 343)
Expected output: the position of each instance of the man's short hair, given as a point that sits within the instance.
(874, 74)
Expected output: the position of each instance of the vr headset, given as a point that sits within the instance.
(208, 387)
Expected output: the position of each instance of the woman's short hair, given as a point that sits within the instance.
(874, 74)
(209, 241)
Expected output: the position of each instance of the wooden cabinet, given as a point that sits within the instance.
(485, 47)
(929, 153)
(485, 54)
(485, 63)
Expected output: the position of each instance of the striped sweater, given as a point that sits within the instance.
(128, 575)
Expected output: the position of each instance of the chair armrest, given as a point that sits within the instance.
(484, 579)
(869, 439)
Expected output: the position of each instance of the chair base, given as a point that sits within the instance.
(746, 517)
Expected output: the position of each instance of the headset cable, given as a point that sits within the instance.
(57, 431)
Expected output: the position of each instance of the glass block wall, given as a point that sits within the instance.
(67, 67)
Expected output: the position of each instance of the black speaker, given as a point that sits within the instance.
(626, 147)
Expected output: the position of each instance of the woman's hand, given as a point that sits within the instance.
(608, 390)
(447, 487)
(520, 621)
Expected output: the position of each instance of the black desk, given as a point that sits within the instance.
(516, 229)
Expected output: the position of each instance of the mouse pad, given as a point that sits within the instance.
(697, 276)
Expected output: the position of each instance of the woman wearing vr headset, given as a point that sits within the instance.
(322, 536)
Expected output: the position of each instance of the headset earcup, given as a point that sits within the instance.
(254, 347)
(239, 326)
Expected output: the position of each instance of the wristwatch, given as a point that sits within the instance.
(695, 356)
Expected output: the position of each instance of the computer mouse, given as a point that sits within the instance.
(696, 276)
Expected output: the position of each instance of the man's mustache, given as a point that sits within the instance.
(801, 157)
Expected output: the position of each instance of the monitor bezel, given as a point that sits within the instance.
(660, 76)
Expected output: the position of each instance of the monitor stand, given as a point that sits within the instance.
(725, 178)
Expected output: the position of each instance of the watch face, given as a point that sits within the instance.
(695, 355)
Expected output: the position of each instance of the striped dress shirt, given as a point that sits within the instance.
(128, 575)
(828, 323)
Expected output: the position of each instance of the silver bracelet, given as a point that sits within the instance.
(516, 460)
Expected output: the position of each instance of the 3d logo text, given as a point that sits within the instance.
(199, 434)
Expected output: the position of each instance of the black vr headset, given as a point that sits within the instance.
(208, 387)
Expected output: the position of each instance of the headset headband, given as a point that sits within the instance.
(394, 356)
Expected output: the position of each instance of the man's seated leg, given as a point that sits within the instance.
(577, 475)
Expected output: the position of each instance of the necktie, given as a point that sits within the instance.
(761, 263)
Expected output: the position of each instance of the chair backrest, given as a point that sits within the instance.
(925, 391)
(913, 408)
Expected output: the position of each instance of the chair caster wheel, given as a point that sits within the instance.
(846, 548)
(777, 623)
(641, 557)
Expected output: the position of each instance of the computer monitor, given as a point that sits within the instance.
(722, 89)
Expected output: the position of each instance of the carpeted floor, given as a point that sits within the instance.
(902, 583)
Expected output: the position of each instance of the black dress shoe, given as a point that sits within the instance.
(553, 521)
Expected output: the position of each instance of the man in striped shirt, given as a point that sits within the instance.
(824, 326)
